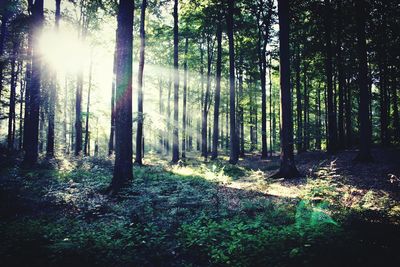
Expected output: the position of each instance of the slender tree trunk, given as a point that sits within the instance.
(53, 96)
(287, 166)
(349, 127)
(111, 141)
(139, 134)
(87, 132)
(332, 128)
(123, 109)
(234, 146)
(241, 111)
(175, 149)
(364, 154)
(31, 148)
(271, 143)
(318, 120)
(3, 32)
(299, 135)
(217, 95)
(396, 120)
(306, 111)
(21, 108)
(184, 115)
(13, 84)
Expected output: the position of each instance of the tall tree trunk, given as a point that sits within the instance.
(217, 96)
(3, 32)
(332, 128)
(53, 95)
(234, 146)
(111, 141)
(123, 108)
(175, 149)
(28, 75)
(31, 148)
(87, 132)
(287, 165)
(318, 120)
(306, 111)
(21, 107)
(341, 77)
(13, 85)
(184, 115)
(271, 143)
(364, 154)
(65, 120)
(262, 69)
(299, 134)
(396, 120)
(139, 134)
(241, 110)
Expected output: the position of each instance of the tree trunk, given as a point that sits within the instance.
(111, 141)
(139, 133)
(175, 149)
(184, 115)
(217, 95)
(3, 32)
(271, 143)
(287, 165)
(299, 135)
(13, 85)
(123, 111)
(32, 139)
(364, 154)
(332, 129)
(52, 96)
(87, 132)
(234, 146)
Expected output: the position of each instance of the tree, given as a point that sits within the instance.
(53, 94)
(234, 144)
(185, 85)
(111, 140)
(287, 165)
(139, 134)
(175, 145)
(332, 127)
(32, 139)
(123, 109)
(364, 154)
(217, 95)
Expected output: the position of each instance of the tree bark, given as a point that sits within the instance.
(287, 165)
(32, 139)
(364, 154)
(86, 145)
(184, 115)
(234, 146)
(111, 141)
(217, 96)
(139, 133)
(13, 85)
(123, 109)
(175, 148)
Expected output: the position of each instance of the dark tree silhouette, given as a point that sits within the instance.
(139, 133)
(287, 168)
(175, 141)
(123, 107)
(234, 144)
(32, 139)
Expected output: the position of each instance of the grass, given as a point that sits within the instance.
(200, 214)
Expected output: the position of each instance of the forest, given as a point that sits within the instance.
(199, 133)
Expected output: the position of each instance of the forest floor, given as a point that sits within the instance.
(339, 213)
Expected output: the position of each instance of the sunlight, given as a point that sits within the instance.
(63, 50)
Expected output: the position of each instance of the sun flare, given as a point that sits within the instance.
(63, 50)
